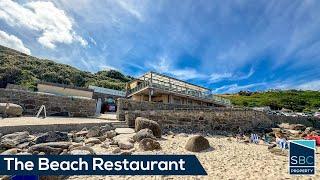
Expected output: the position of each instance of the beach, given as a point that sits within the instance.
(227, 159)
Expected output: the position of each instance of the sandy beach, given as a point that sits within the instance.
(228, 159)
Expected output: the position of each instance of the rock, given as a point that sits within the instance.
(299, 127)
(78, 139)
(124, 130)
(125, 145)
(308, 130)
(41, 153)
(126, 153)
(124, 137)
(23, 145)
(110, 134)
(143, 133)
(294, 132)
(1, 135)
(276, 129)
(116, 150)
(44, 148)
(81, 133)
(182, 135)
(12, 151)
(11, 110)
(93, 141)
(94, 132)
(142, 123)
(284, 125)
(106, 128)
(12, 140)
(82, 150)
(148, 144)
(24, 153)
(52, 136)
(64, 152)
(272, 146)
(197, 143)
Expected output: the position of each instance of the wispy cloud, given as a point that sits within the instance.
(13, 42)
(163, 66)
(233, 88)
(215, 77)
(53, 23)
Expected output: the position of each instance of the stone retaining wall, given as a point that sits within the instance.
(131, 105)
(223, 119)
(32, 101)
(307, 121)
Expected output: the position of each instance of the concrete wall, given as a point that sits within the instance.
(223, 119)
(64, 91)
(131, 105)
(31, 103)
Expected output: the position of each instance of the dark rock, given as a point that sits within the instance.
(53, 148)
(94, 132)
(143, 133)
(197, 143)
(78, 139)
(143, 123)
(148, 144)
(52, 136)
(106, 128)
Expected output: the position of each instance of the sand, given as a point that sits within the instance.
(228, 159)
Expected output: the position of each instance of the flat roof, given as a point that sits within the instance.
(172, 78)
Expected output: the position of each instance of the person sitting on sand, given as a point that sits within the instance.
(281, 141)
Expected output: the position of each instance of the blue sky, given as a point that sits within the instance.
(227, 46)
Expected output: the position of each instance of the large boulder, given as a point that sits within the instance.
(197, 143)
(52, 136)
(11, 110)
(148, 144)
(12, 140)
(124, 130)
(143, 123)
(143, 133)
(82, 150)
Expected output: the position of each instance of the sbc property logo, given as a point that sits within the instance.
(302, 157)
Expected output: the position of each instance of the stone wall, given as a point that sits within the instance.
(32, 101)
(222, 119)
(307, 121)
(131, 105)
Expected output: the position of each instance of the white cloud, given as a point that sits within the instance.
(13, 42)
(232, 88)
(53, 23)
(185, 74)
(216, 77)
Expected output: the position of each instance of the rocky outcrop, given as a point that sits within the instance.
(143, 123)
(197, 143)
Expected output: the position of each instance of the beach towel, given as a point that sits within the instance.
(254, 138)
(314, 137)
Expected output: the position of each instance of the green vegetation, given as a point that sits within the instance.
(21, 69)
(296, 100)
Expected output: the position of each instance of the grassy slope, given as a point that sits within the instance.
(290, 99)
(21, 69)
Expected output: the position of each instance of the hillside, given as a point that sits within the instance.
(290, 99)
(21, 69)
